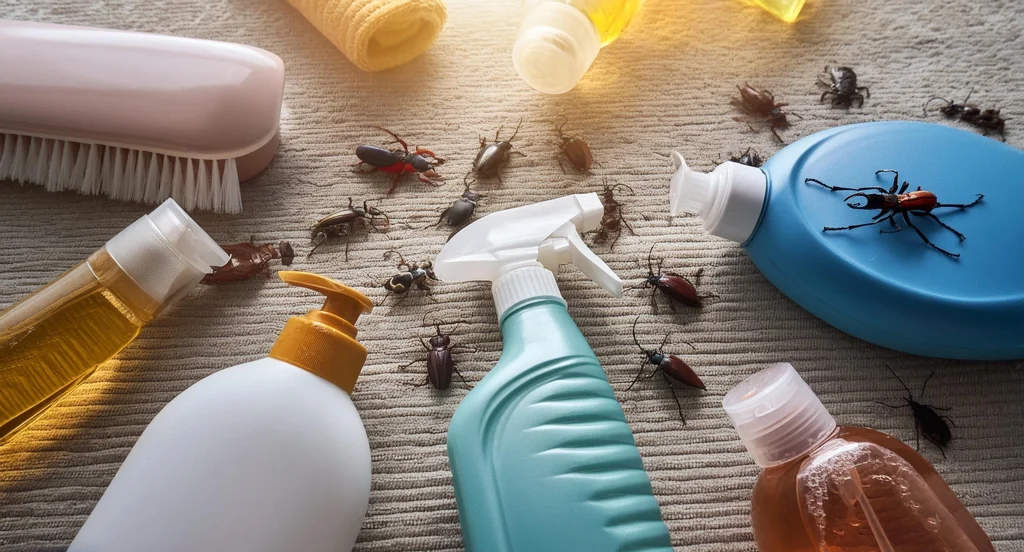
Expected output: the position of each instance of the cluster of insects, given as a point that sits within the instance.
(840, 88)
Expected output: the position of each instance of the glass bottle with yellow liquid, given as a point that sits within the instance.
(559, 39)
(827, 488)
(53, 339)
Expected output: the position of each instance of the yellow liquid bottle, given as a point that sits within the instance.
(786, 10)
(55, 338)
(559, 39)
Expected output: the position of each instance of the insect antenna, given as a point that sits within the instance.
(635, 340)
(513, 137)
(909, 394)
(926, 104)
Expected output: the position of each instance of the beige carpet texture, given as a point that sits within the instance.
(664, 85)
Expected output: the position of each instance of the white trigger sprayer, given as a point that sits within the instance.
(520, 249)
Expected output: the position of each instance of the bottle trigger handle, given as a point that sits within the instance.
(565, 245)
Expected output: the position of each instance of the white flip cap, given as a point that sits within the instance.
(165, 252)
(777, 415)
(555, 47)
(728, 199)
(519, 249)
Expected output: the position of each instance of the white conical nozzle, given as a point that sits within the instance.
(728, 199)
(777, 415)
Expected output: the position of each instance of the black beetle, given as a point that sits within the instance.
(342, 222)
(676, 287)
(494, 156)
(843, 88)
(440, 362)
(672, 368)
(412, 275)
(749, 158)
(988, 120)
(928, 422)
(575, 149)
(460, 212)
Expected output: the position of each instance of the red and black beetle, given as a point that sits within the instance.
(399, 162)
(674, 286)
(919, 203)
(672, 368)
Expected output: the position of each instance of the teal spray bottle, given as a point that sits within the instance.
(541, 455)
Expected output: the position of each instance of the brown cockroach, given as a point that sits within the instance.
(761, 104)
(247, 260)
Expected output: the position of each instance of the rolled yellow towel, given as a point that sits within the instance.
(376, 34)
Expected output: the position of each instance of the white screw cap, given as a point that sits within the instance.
(777, 415)
(165, 252)
(728, 199)
(555, 47)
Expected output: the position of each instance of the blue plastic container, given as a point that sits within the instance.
(889, 288)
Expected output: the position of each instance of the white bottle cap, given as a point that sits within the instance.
(777, 415)
(165, 252)
(729, 199)
(555, 47)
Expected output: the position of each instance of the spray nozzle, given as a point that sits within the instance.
(516, 247)
(729, 199)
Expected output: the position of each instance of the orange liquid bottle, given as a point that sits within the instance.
(826, 488)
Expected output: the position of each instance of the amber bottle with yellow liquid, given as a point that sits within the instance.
(559, 39)
(55, 338)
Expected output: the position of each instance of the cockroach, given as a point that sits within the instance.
(575, 149)
(342, 223)
(919, 203)
(988, 120)
(492, 157)
(440, 360)
(843, 88)
(672, 368)
(247, 260)
(612, 221)
(410, 275)
(761, 104)
(674, 286)
(927, 421)
(460, 212)
(400, 161)
(750, 158)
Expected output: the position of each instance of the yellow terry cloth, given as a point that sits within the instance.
(376, 34)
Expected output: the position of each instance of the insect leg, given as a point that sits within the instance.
(961, 205)
(833, 229)
(942, 224)
(843, 189)
(395, 136)
(867, 92)
(881, 214)
(394, 184)
(891, 406)
(675, 397)
(458, 373)
(638, 374)
(424, 343)
(906, 218)
(895, 178)
(892, 221)
(626, 223)
(386, 295)
(404, 366)
(947, 418)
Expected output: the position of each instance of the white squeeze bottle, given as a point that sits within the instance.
(559, 39)
(266, 456)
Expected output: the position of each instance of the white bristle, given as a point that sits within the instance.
(203, 193)
(165, 178)
(190, 185)
(7, 157)
(42, 162)
(178, 182)
(121, 173)
(215, 192)
(232, 192)
(91, 178)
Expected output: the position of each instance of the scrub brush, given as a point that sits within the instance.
(136, 116)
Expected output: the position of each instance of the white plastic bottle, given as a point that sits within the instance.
(267, 456)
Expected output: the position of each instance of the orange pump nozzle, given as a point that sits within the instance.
(323, 341)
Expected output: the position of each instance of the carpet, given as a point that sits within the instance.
(664, 85)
